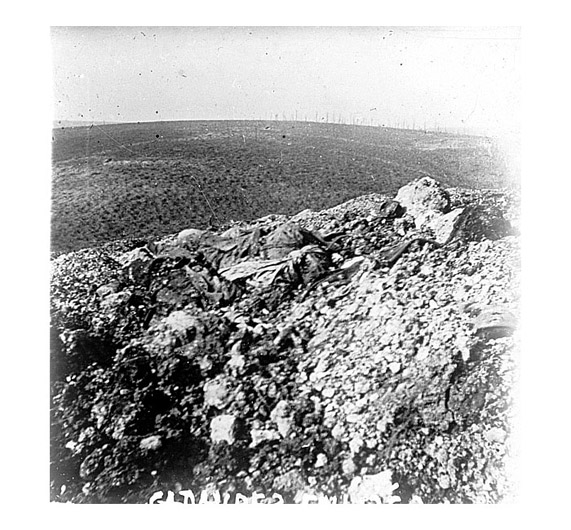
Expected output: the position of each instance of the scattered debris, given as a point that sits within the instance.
(333, 351)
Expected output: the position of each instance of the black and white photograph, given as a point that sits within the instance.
(284, 264)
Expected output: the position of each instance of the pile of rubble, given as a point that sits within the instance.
(365, 352)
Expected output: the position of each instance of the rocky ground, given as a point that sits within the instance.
(303, 358)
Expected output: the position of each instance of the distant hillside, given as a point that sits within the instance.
(77, 123)
(151, 179)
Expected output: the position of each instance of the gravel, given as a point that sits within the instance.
(394, 384)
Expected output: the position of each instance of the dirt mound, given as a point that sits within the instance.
(343, 355)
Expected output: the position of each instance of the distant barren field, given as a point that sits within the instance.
(147, 180)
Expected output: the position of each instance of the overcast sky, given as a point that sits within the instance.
(445, 77)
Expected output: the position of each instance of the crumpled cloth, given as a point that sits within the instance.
(289, 252)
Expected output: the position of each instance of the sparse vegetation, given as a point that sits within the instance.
(168, 375)
(152, 179)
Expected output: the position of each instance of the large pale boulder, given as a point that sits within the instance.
(217, 392)
(281, 415)
(442, 225)
(189, 236)
(223, 429)
(373, 488)
(423, 194)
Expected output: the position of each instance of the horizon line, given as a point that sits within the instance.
(479, 131)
